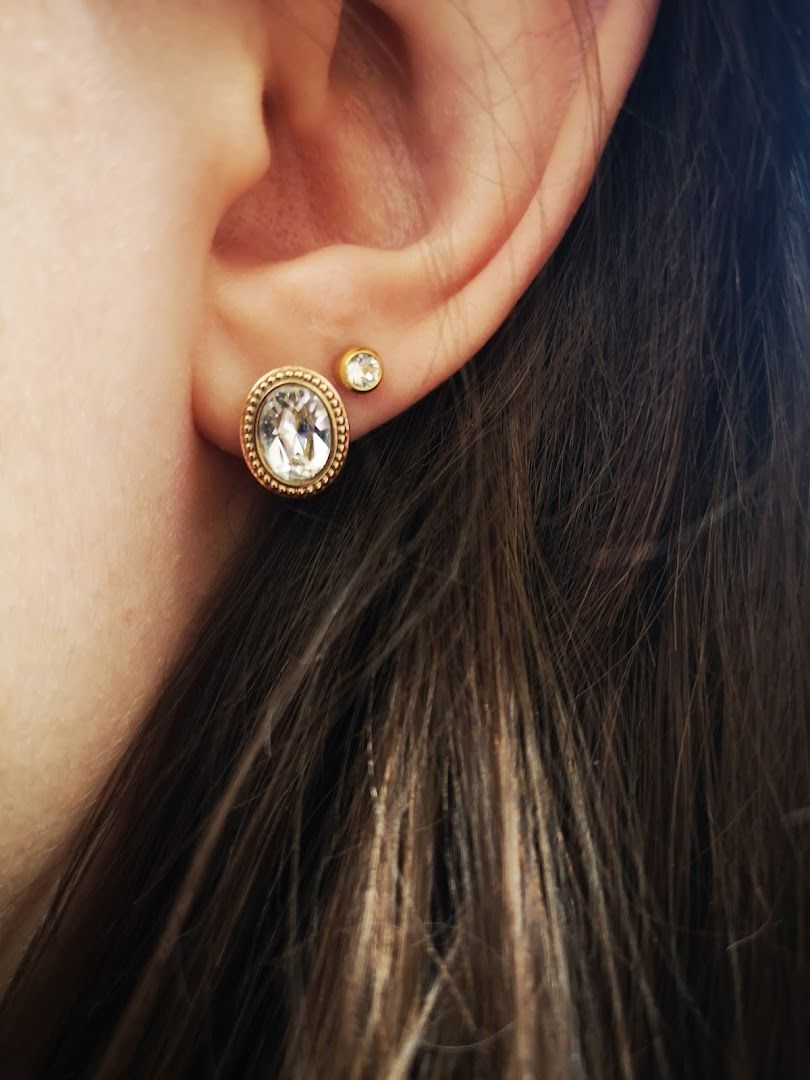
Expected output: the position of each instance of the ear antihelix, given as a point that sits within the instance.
(294, 429)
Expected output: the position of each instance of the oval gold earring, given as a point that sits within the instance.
(294, 431)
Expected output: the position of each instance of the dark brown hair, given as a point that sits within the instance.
(494, 759)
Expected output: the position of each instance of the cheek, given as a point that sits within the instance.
(112, 524)
(104, 245)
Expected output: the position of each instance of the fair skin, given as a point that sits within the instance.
(167, 240)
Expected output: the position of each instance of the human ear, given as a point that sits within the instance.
(425, 160)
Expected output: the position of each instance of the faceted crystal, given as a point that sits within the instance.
(363, 371)
(294, 433)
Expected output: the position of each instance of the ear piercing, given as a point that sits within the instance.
(294, 430)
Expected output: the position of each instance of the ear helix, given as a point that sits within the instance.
(294, 430)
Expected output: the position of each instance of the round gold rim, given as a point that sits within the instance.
(343, 369)
(338, 418)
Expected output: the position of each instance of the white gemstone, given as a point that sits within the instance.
(294, 433)
(363, 371)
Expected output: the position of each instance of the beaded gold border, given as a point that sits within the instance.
(337, 415)
(343, 364)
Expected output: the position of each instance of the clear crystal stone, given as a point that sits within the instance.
(294, 433)
(363, 371)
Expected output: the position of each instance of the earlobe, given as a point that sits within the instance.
(413, 211)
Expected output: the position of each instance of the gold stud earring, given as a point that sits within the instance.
(360, 369)
(294, 429)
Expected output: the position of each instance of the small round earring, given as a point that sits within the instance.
(360, 369)
(294, 430)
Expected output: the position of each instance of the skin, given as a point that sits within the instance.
(166, 240)
(115, 518)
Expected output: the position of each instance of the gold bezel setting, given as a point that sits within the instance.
(345, 376)
(338, 419)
